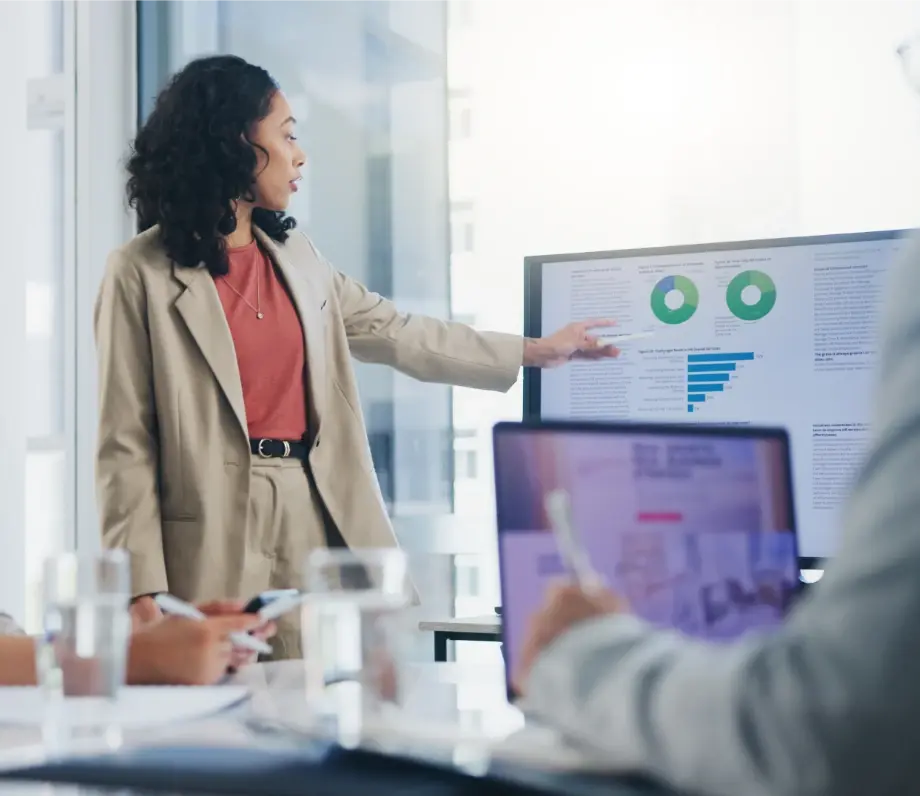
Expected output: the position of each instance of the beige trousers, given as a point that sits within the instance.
(286, 522)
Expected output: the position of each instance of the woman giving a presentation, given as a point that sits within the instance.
(231, 440)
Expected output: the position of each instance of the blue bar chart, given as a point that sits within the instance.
(709, 374)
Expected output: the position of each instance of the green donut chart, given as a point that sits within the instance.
(685, 311)
(750, 312)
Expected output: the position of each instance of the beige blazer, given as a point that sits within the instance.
(173, 458)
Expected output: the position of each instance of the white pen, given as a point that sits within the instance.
(281, 606)
(616, 339)
(173, 605)
(559, 513)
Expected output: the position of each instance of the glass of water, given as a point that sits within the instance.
(87, 625)
(354, 631)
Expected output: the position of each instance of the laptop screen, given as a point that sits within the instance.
(694, 526)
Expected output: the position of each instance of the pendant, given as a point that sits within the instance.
(259, 315)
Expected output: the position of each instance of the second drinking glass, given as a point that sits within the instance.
(354, 632)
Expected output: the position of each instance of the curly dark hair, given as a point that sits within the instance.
(193, 158)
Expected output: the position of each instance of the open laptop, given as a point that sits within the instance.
(693, 524)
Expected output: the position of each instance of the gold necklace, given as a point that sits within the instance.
(257, 307)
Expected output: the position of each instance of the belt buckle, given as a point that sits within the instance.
(259, 450)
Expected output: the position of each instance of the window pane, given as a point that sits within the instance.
(40, 198)
(46, 520)
(44, 382)
(46, 37)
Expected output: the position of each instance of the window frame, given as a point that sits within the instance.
(105, 121)
(51, 108)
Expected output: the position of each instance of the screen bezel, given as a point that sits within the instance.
(533, 294)
(632, 428)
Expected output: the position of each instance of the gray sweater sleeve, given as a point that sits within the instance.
(829, 704)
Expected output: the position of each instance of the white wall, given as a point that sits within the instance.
(858, 131)
(604, 124)
(614, 124)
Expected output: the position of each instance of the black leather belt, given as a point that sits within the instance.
(279, 449)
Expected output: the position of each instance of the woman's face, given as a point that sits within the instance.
(278, 172)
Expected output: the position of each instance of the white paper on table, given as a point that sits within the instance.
(136, 706)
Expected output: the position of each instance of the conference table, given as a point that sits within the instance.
(453, 714)
(486, 628)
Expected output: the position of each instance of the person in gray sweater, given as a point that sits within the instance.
(830, 704)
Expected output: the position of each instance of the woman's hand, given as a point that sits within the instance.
(573, 341)
(240, 657)
(179, 651)
(564, 607)
(145, 613)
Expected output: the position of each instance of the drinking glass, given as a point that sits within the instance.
(83, 652)
(355, 627)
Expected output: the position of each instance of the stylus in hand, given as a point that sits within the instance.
(559, 512)
(172, 605)
(616, 339)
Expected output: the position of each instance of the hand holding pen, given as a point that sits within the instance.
(265, 630)
(176, 607)
(565, 605)
(559, 512)
(182, 651)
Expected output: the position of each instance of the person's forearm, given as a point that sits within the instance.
(17, 660)
(759, 716)
(535, 352)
